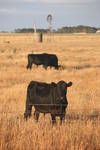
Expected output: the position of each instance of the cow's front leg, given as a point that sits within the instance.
(62, 119)
(53, 119)
(36, 115)
(28, 111)
(56, 67)
(45, 66)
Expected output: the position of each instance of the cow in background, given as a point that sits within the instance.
(47, 60)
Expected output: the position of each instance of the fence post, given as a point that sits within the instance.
(41, 37)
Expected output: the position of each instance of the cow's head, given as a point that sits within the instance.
(62, 85)
(62, 89)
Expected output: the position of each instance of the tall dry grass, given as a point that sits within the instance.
(79, 57)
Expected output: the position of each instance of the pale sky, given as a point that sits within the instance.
(22, 13)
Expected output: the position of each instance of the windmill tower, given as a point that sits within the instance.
(34, 28)
(49, 19)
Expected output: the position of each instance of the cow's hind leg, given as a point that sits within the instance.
(28, 111)
(36, 115)
(30, 66)
(53, 119)
(27, 66)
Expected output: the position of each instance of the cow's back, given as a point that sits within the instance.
(39, 91)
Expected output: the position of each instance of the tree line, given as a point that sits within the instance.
(73, 29)
(30, 30)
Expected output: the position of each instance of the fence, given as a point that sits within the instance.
(81, 115)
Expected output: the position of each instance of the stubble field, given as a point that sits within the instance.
(79, 58)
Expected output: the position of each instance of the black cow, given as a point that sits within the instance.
(42, 59)
(47, 98)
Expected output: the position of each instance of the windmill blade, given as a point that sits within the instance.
(49, 19)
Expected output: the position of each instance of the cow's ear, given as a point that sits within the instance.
(69, 84)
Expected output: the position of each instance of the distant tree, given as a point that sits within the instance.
(30, 30)
(77, 29)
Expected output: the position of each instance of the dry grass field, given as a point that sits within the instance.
(79, 56)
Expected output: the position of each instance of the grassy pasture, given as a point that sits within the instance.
(79, 56)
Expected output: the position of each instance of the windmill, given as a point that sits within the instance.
(34, 28)
(49, 19)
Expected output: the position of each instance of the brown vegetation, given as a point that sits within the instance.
(79, 57)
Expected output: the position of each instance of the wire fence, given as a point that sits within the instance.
(71, 115)
(54, 107)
